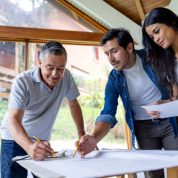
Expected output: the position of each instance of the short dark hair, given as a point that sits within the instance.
(123, 37)
(54, 48)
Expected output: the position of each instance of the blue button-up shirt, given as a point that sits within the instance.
(117, 86)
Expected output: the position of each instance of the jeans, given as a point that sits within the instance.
(9, 169)
(155, 135)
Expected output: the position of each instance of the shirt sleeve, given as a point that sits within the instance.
(72, 90)
(18, 98)
(107, 118)
(111, 102)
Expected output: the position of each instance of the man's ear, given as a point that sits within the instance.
(130, 47)
(39, 61)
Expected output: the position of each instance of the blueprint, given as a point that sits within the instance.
(102, 163)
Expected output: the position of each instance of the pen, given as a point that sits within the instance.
(37, 139)
(76, 150)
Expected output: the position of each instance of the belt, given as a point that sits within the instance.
(152, 120)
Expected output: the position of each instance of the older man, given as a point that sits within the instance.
(34, 102)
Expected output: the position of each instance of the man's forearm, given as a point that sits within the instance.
(101, 130)
(16, 129)
(19, 134)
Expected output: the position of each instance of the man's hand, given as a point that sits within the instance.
(87, 144)
(40, 151)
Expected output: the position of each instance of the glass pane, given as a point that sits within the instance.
(40, 14)
(12, 57)
(34, 50)
(11, 62)
(7, 55)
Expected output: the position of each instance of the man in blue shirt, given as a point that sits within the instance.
(136, 83)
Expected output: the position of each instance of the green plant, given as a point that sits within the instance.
(3, 108)
(93, 100)
(64, 127)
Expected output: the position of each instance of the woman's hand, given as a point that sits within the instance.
(154, 114)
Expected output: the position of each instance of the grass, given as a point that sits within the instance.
(3, 108)
(64, 127)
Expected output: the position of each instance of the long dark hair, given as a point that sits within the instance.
(163, 60)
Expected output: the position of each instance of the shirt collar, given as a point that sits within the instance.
(36, 75)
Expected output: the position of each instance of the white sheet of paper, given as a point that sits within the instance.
(103, 163)
(169, 109)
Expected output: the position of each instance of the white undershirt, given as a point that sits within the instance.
(141, 89)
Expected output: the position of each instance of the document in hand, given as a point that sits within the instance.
(169, 109)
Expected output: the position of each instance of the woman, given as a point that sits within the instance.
(160, 38)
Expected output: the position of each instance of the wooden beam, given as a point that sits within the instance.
(5, 85)
(7, 71)
(5, 79)
(81, 14)
(122, 176)
(140, 9)
(4, 95)
(172, 172)
(26, 54)
(43, 35)
(128, 136)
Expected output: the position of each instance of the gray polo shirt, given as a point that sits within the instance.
(40, 104)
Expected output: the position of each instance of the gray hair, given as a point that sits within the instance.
(54, 48)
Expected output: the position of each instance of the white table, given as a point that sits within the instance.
(103, 163)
